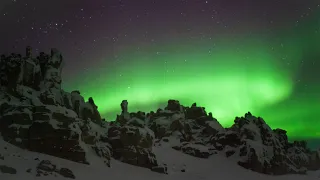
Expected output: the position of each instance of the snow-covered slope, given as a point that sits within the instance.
(180, 167)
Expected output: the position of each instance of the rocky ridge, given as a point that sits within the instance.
(37, 115)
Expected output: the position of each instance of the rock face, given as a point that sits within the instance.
(36, 114)
(190, 127)
(56, 138)
(132, 141)
(262, 149)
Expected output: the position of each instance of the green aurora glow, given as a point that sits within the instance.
(229, 75)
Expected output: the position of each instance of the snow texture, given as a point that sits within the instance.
(216, 167)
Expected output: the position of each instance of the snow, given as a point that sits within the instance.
(149, 132)
(264, 153)
(95, 128)
(62, 110)
(136, 120)
(253, 129)
(162, 121)
(29, 93)
(216, 167)
(54, 123)
(143, 132)
(87, 105)
(76, 97)
(17, 126)
(177, 116)
(166, 111)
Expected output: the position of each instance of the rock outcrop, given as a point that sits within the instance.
(261, 149)
(187, 128)
(37, 115)
(132, 141)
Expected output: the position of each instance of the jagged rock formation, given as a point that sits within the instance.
(189, 129)
(260, 148)
(132, 141)
(36, 114)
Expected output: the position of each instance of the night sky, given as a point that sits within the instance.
(230, 56)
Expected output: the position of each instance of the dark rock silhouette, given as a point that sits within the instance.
(36, 114)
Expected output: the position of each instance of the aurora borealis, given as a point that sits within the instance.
(222, 80)
(228, 56)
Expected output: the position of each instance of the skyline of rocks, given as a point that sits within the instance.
(37, 115)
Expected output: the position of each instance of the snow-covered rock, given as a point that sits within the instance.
(132, 141)
(254, 145)
(177, 142)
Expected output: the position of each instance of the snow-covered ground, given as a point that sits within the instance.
(214, 168)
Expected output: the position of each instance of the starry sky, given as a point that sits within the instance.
(230, 56)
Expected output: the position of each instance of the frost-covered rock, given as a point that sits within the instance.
(254, 145)
(193, 122)
(133, 145)
(131, 140)
(37, 115)
(299, 154)
(165, 122)
(59, 142)
(192, 126)
(103, 150)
